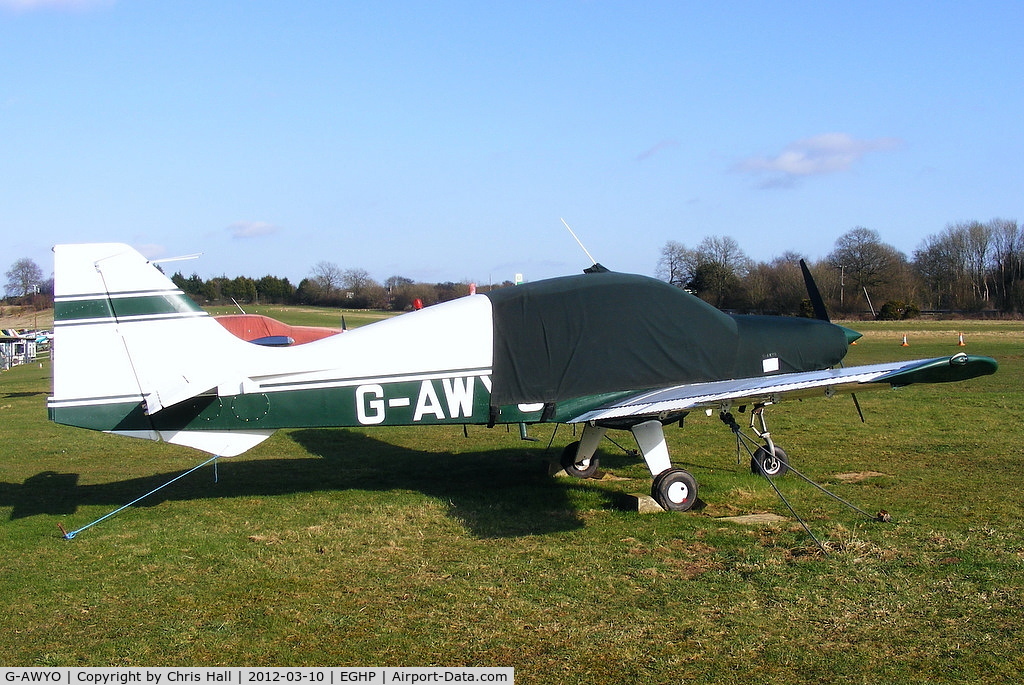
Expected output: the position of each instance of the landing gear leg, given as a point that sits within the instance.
(674, 489)
(578, 457)
(770, 460)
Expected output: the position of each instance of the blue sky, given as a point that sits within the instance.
(444, 140)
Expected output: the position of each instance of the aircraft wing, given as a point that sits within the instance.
(771, 389)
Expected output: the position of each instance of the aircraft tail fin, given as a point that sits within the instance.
(133, 355)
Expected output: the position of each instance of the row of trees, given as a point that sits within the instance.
(967, 267)
(327, 285)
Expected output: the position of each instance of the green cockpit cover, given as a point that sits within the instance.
(601, 332)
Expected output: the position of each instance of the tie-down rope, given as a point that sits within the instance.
(72, 534)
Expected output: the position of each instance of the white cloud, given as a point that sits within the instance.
(658, 147)
(822, 154)
(240, 230)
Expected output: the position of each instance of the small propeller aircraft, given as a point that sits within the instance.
(602, 350)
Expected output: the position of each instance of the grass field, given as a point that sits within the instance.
(310, 316)
(420, 546)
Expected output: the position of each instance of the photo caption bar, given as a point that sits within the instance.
(334, 675)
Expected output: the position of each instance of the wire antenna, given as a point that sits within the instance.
(182, 258)
(579, 242)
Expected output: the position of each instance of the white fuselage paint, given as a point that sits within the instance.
(164, 359)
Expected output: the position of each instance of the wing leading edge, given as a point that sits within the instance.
(771, 389)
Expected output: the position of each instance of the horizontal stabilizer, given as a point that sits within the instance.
(221, 443)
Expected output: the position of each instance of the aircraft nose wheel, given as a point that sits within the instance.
(675, 490)
(764, 464)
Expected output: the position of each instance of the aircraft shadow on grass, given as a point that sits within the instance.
(494, 494)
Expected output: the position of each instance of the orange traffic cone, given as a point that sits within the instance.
(961, 342)
(905, 343)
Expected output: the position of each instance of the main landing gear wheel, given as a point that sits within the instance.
(764, 464)
(581, 469)
(675, 490)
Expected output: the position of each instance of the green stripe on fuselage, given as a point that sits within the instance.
(102, 416)
(429, 401)
(150, 304)
(77, 310)
(460, 399)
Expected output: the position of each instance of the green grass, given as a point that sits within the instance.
(309, 316)
(419, 546)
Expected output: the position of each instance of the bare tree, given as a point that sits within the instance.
(777, 287)
(940, 263)
(397, 282)
(721, 268)
(24, 277)
(868, 263)
(361, 290)
(326, 279)
(725, 252)
(979, 243)
(1008, 269)
(955, 264)
(714, 270)
(356, 280)
(677, 264)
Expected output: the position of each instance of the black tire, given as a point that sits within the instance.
(575, 469)
(763, 464)
(675, 490)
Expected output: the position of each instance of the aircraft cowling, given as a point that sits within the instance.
(798, 344)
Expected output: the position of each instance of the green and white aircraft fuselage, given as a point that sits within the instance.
(133, 355)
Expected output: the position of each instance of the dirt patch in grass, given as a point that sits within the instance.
(754, 519)
(858, 476)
